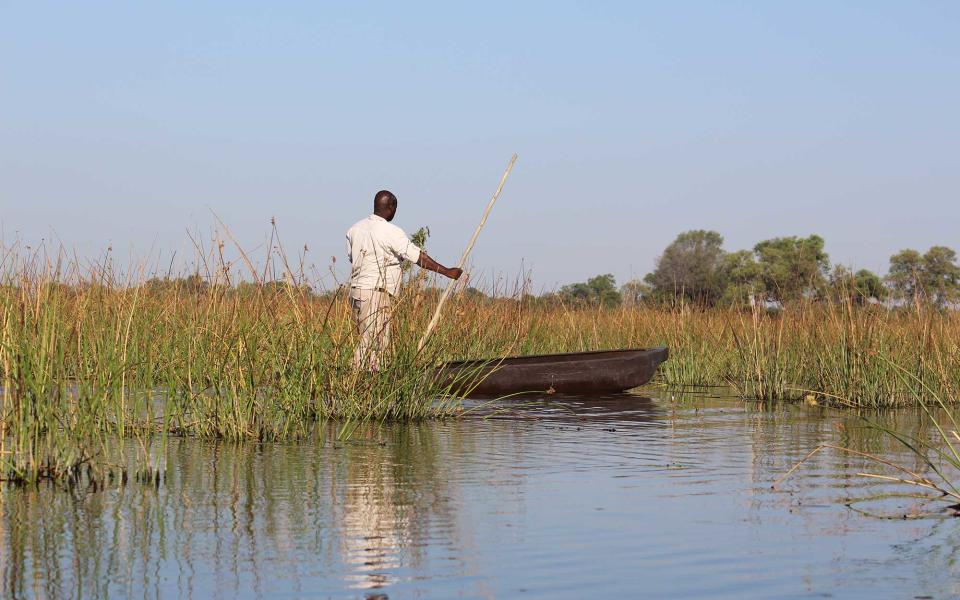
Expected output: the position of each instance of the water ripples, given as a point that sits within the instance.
(545, 497)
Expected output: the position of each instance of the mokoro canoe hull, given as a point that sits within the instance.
(573, 373)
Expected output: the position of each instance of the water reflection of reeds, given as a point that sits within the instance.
(238, 509)
(400, 507)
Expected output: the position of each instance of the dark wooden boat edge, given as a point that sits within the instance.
(596, 371)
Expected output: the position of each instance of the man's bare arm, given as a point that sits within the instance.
(431, 265)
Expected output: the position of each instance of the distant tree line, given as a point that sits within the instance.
(696, 269)
(197, 284)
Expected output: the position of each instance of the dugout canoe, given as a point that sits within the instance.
(597, 372)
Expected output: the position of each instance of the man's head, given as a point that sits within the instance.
(385, 205)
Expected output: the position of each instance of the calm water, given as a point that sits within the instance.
(628, 497)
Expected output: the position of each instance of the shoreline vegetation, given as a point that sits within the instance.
(87, 358)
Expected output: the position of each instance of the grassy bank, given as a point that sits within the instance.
(87, 357)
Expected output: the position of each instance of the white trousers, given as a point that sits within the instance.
(371, 315)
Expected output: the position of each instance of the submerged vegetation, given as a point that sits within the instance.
(935, 450)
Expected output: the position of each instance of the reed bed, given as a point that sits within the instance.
(87, 356)
(842, 354)
(935, 449)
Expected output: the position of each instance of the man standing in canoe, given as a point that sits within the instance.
(376, 248)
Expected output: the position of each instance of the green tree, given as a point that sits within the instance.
(870, 285)
(859, 287)
(941, 275)
(741, 277)
(792, 267)
(905, 276)
(690, 268)
(634, 292)
(601, 289)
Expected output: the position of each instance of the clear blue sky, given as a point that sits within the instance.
(127, 123)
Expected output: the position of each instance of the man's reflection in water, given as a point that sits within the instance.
(382, 532)
(375, 530)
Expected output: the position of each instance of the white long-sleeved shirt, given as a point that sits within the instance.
(376, 248)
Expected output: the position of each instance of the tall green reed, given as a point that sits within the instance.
(935, 470)
(88, 357)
